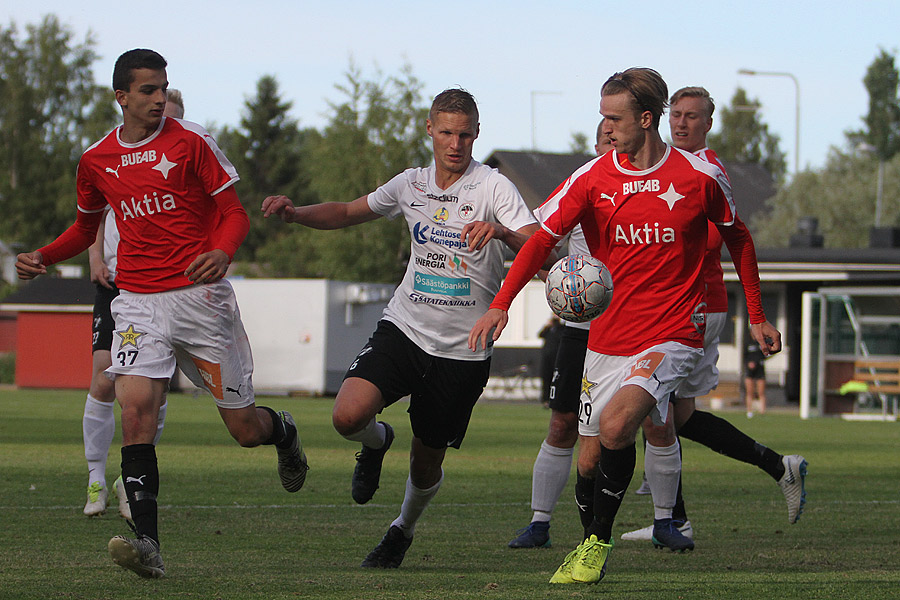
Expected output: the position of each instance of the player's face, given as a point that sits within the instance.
(144, 103)
(603, 144)
(452, 135)
(623, 124)
(689, 124)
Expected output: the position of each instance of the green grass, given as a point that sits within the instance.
(229, 531)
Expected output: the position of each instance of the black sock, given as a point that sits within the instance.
(614, 475)
(584, 500)
(679, 513)
(280, 437)
(140, 474)
(723, 437)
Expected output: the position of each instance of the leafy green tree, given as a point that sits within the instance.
(376, 132)
(882, 131)
(743, 137)
(270, 153)
(579, 143)
(50, 111)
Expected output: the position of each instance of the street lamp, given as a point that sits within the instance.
(797, 97)
(533, 94)
(879, 190)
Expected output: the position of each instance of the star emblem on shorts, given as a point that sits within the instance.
(671, 196)
(164, 166)
(587, 386)
(130, 336)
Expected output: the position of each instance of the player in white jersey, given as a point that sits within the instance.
(180, 222)
(551, 469)
(98, 422)
(647, 221)
(459, 213)
(690, 119)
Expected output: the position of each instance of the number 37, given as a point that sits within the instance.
(127, 358)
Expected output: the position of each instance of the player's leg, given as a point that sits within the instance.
(553, 464)
(662, 463)
(761, 392)
(99, 422)
(141, 398)
(749, 390)
(381, 374)
(98, 428)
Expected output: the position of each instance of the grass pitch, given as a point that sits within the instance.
(229, 531)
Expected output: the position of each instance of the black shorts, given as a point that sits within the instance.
(757, 372)
(442, 391)
(568, 371)
(103, 325)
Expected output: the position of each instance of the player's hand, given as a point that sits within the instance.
(495, 319)
(30, 264)
(478, 234)
(209, 267)
(768, 338)
(100, 274)
(280, 206)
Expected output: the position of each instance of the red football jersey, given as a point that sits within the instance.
(650, 227)
(162, 190)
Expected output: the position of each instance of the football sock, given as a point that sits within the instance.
(372, 435)
(280, 437)
(663, 468)
(140, 474)
(549, 478)
(584, 500)
(679, 512)
(614, 475)
(723, 437)
(160, 422)
(98, 427)
(414, 503)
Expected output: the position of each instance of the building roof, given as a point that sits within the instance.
(44, 292)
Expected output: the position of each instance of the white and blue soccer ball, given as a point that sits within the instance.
(579, 288)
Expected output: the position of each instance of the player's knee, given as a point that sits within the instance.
(563, 430)
(347, 423)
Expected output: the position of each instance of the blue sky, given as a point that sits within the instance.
(534, 67)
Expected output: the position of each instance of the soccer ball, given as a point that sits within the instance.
(579, 288)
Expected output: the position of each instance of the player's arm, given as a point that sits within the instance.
(328, 215)
(479, 233)
(743, 254)
(233, 227)
(528, 261)
(99, 270)
(73, 241)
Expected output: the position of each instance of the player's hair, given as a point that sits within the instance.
(695, 92)
(174, 96)
(454, 100)
(139, 58)
(645, 86)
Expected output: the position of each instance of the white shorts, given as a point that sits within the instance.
(705, 376)
(658, 370)
(198, 328)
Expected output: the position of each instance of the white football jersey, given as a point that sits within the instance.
(447, 287)
(110, 243)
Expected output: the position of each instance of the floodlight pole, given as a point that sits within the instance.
(797, 107)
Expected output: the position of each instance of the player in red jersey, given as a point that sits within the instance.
(648, 222)
(166, 180)
(690, 119)
(99, 423)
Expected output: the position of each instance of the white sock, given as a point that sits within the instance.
(372, 435)
(160, 421)
(663, 468)
(548, 479)
(414, 503)
(98, 426)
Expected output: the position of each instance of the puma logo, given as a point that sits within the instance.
(114, 171)
(135, 479)
(612, 199)
(617, 496)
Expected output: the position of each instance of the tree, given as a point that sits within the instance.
(579, 143)
(743, 137)
(374, 134)
(882, 131)
(270, 153)
(50, 111)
